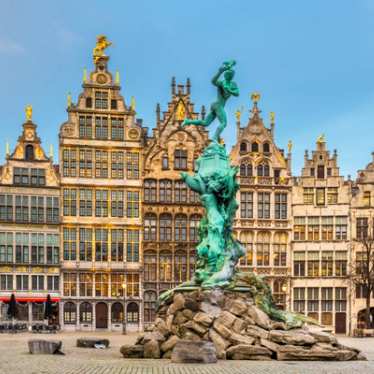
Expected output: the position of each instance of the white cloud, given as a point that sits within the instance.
(10, 47)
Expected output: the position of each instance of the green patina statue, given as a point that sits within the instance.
(225, 89)
(218, 251)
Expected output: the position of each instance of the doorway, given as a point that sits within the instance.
(101, 316)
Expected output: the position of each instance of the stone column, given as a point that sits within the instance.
(77, 323)
(93, 326)
(61, 315)
(109, 316)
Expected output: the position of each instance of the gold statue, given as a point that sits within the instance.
(69, 99)
(181, 111)
(321, 139)
(101, 44)
(272, 118)
(28, 111)
(117, 80)
(133, 103)
(238, 115)
(84, 75)
(255, 97)
(7, 149)
(289, 146)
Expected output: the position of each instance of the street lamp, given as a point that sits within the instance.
(123, 285)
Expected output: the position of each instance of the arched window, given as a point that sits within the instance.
(150, 227)
(150, 298)
(85, 313)
(246, 170)
(180, 228)
(180, 159)
(165, 191)
(246, 239)
(150, 266)
(29, 152)
(117, 313)
(263, 170)
(165, 266)
(243, 147)
(180, 192)
(165, 227)
(165, 161)
(132, 312)
(263, 249)
(70, 313)
(194, 227)
(254, 147)
(180, 267)
(266, 148)
(280, 249)
(191, 263)
(150, 190)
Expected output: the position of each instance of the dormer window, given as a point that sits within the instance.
(321, 171)
(243, 147)
(312, 172)
(329, 172)
(113, 104)
(266, 148)
(101, 100)
(254, 147)
(88, 102)
(29, 152)
(165, 161)
(263, 170)
(180, 159)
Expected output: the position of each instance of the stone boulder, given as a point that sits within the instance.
(248, 352)
(132, 351)
(91, 342)
(259, 317)
(40, 346)
(186, 352)
(170, 343)
(152, 349)
(292, 337)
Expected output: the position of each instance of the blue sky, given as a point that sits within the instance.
(312, 62)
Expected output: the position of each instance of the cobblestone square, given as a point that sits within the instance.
(16, 359)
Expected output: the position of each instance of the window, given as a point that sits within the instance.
(180, 192)
(6, 282)
(37, 177)
(37, 248)
(6, 208)
(165, 227)
(88, 102)
(165, 191)
(101, 100)
(53, 249)
(85, 244)
(101, 164)
(53, 210)
(340, 299)
(132, 313)
(85, 163)
(246, 170)
(180, 267)
(313, 300)
(246, 204)
(361, 291)
(29, 152)
(313, 263)
(150, 227)
(113, 104)
(53, 282)
(70, 202)
(194, 227)
(132, 165)
(362, 227)
(332, 195)
(150, 266)
(22, 208)
(299, 264)
(308, 195)
(313, 228)
(117, 128)
(132, 289)
(263, 205)
(85, 313)
(367, 198)
(37, 209)
(326, 305)
(150, 191)
(327, 228)
(101, 285)
(117, 165)
(320, 196)
(243, 147)
(329, 172)
(116, 197)
(117, 245)
(299, 299)
(22, 248)
(118, 285)
(132, 204)
(192, 263)
(21, 176)
(341, 223)
(69, 162)
(85, 202)
(194, 197)
(327, 264)
(180, 228)
(180, 159)
(70, 313)
(165, 161)
(278, 294)
(37, 282)
(280, 205)
(263, 249)
(117, 313)
(150, 299)
(312, 172)
(22, 282)
(101, 209)
(85, 127)
(254, 147)
(266, 148)
(70, 243)
(101, 244)
(165, 266)
(280, 249)
(320, 171)
(246, 239)
(85, 284)
(299, 228)
(132, 246)
(263, 170)
(6, 247)
(340, 263)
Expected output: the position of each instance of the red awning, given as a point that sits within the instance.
(30, 299)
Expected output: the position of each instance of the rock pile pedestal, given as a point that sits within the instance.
(235, 327)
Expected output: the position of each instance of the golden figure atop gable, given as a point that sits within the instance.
(28, 112)
(101, 44)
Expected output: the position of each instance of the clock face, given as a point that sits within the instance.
(133, 134)
(29, 134)
(101, 78)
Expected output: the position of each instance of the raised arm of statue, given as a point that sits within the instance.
(195, 183)
(215, 80)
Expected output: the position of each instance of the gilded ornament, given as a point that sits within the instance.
(181, 111)
(255, 97)
(272, 118)
(289, 146)
(321, 139)
(101, 44)
(28, 112)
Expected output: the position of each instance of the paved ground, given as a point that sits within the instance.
(14, 358)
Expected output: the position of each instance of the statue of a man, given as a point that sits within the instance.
(225, 88)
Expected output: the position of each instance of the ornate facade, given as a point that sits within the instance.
(263, 221)
(171, 212)
(29, 228)
(101, 160)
